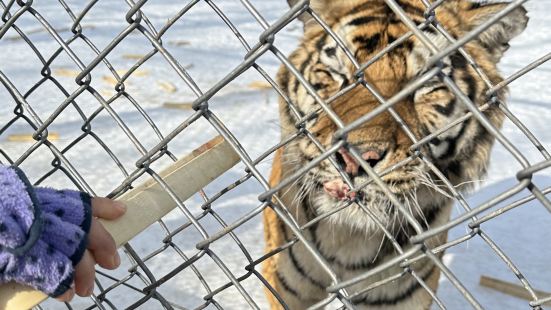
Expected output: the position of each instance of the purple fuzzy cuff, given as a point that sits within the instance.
(43, 232)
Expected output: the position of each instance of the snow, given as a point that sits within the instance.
(203, 44)
(521, 233)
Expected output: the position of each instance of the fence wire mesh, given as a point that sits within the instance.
(94, 84)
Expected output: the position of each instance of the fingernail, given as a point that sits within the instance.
(119, 205)
(71, 294)
(90, 290)
(116, 259)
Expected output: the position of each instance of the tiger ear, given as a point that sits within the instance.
(497, 36)
(334, 7)
(304, 17)
(327, 9)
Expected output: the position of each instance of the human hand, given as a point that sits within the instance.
(101, 249)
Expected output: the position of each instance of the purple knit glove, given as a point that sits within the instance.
(43, 233)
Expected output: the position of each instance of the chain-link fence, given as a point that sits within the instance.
(99, 96)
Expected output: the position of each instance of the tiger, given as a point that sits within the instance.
(349, 240)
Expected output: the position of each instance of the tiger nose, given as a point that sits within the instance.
(352, 167)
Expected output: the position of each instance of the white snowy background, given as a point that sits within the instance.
(202, 43)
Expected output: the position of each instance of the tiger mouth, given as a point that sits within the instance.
(339, 190)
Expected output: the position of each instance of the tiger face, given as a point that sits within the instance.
(339, 207)
(461, 153)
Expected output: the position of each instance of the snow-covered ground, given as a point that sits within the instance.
(202, 43)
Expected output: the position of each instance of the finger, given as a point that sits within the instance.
(84, 275)
(102, 246)
(67, 296)
(107, 209)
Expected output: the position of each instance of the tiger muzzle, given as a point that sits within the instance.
(337, 188)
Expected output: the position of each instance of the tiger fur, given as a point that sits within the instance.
(349, 240)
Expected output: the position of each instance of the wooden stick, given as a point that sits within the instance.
(510, 288)
(52, 136)
(146, 204)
